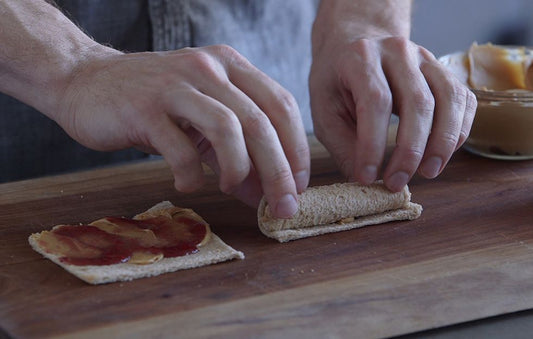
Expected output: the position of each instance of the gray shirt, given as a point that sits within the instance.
(273, 34)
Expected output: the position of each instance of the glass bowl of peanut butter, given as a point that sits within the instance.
(501, 77)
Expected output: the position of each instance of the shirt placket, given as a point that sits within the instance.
(170, 24)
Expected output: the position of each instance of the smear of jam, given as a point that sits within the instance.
(90, 245)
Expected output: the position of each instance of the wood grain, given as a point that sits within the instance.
(469, 256)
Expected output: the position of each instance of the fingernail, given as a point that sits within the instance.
(368, 174)
(431, 167)
(397, 181)
(286, 207)
(302, 180)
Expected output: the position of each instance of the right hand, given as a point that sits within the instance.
(196, 104)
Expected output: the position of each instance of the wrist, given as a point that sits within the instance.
(76, 64)
(343, 21)
(47, 91)
(40, 56)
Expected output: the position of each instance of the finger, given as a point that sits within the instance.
(249, 191)
(468, 118)
(373, 107)
(178, 151)
(257, 140)
(281, 109)
(267, 154)
(219, 125)
(416, 105)
(262, 140)
(450, 105)
(339, 143)
(333, 122)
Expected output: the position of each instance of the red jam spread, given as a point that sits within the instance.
(115, 240)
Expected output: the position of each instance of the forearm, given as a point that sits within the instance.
(350, 20)
(40, 51)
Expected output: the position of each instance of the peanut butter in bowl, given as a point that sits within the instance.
(501, 77)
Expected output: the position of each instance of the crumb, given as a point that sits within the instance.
(345, 220)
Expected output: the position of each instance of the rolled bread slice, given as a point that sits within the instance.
(214, 251)
(338, 207)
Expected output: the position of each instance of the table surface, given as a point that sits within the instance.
(469, 256)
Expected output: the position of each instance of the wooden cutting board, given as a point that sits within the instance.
(469, 256)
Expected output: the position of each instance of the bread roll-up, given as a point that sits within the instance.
(338, 207)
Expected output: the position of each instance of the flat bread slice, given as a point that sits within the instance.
(339, 207)
(214, 251)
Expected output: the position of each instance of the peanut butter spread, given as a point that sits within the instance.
(497, 68)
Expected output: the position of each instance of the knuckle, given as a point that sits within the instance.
(205, 65)
(423, 102)
(257, 125)
(199, 60)
(286, 102)
(363, 50)
(279, 177)
(362, 47)
(299, 157)
(225, 50)
(426, 54)
(399, 43)
(301, 151)
(285, 109)
(377, 100)
(231, 54)
(346, 165)
(457, 94)
(449, 140)
(223, 124)
(411, 154)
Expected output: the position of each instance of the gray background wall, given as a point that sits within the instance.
(445, 26)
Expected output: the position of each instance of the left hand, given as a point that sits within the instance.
(355, 85)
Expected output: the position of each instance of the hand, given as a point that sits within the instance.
(204, 104)
(356, 84)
